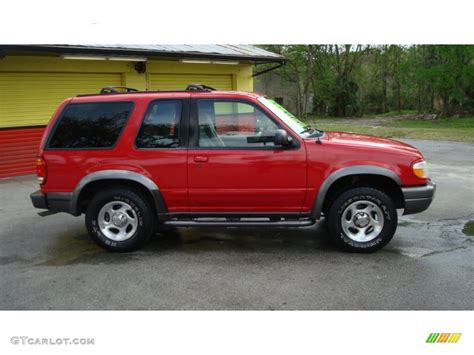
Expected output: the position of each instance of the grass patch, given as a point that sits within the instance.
(454, 129)
(393, 113)
(461, 123)
(469, 229)
(331, 118)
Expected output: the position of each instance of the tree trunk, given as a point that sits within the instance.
(432, 99)
(419, 99)
(399, 97)
(445, 109)
(315, 108)
(384, 79)
(384, 93)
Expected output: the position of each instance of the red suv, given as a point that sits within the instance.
(132, 161)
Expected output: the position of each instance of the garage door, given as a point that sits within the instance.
(28, 100)
(180, 81)
(18, 149)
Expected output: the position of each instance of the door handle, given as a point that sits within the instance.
(200, 158)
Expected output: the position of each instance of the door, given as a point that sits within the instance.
(160, 147)
(233, 164)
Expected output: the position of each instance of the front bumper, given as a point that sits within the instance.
(54, 201)
(419, 198)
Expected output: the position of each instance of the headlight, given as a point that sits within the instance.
(420, 169)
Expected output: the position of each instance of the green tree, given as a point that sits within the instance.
(356, 79)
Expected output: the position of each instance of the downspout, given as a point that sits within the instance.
(269, 69)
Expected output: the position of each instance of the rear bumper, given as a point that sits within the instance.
(54, 201)
(39, 200)
(419, 198)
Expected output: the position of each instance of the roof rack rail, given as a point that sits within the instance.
(113, 89)
(199, 87)
(128, 90)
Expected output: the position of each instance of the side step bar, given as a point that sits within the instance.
(218, 222)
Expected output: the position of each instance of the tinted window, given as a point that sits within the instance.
(234, 125)
(91, 125)
(160, 127)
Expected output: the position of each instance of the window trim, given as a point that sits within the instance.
(193, 142)
(182, 125)
(61, 115)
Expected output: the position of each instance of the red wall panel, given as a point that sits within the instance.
(18, 150)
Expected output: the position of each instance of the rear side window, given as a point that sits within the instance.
(160, 127)
(90, 125)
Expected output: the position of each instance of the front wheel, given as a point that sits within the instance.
(119, 219)
(362, 219)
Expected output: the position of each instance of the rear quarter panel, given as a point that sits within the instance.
(166, 168)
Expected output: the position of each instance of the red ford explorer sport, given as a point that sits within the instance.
(132, 161)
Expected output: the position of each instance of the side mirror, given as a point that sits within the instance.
(281, 138)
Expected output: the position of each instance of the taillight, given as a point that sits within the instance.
(41, 170)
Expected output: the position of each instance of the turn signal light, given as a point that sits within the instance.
(420, 169)
(41, 170)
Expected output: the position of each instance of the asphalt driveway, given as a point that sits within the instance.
(50, 263)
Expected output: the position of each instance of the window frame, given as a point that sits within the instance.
(182, 125)
(63, 112)
(193, 138)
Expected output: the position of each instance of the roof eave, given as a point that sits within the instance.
(58, 49)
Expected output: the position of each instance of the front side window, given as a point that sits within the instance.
(160, 127)
(302, 129)
(291, 120)
(90, 125)
(234, 124)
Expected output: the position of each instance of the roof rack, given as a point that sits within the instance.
(128, 90)
(113, 89)
(199, 87)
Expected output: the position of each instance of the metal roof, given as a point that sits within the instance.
(214, 51)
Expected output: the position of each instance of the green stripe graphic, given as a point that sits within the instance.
(432, 337)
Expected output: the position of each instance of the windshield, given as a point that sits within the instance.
(302, 129)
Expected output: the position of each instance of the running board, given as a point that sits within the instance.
(46, 213)
(233, 222)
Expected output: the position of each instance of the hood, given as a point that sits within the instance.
(366, 141)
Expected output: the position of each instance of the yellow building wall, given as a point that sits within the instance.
(242, 73)
(39, 98)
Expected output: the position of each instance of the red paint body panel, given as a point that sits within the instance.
(231, 180)
(340, 150)
(247, 180)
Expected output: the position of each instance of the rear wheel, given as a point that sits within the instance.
(362, 219)
(119, 219)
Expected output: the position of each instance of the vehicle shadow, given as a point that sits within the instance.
(242, 239)
(76, 247)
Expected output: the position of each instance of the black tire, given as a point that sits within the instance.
(339, 205)
(143, 212)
